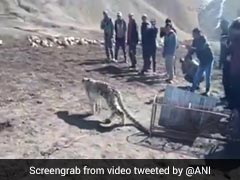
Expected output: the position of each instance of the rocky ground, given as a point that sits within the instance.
(45, 111)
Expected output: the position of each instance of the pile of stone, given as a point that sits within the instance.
(60, 42)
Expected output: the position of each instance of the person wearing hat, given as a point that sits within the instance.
(120, 38)
(108, 28)
(145, 44)
(201, 47)
(132, 40)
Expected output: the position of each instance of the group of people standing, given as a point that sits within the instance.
(129, 33)
(122, 33)
(229, 56)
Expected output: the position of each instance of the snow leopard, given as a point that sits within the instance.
(96, 89)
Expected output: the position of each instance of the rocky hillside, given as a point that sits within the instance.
(62, 16)
(216, 9)
(70, 16)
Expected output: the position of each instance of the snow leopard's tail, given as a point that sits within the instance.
(137, 124)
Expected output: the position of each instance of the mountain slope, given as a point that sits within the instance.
(216, 9)
(65, 15)
(78, 16)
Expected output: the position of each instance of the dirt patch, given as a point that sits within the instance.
(42, 90)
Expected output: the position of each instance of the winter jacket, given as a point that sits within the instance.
(223, 47)
(235, 59)
(170, 44)
(120, 28)
(152, 37)
(144, 33)
(107, 27)
(133, 36)
(203, 51)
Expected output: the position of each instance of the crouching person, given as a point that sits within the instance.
(189, 68)
(204, 54)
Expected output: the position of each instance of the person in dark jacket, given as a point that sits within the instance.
(223, 42)
(153, 31)
(132, 40)
(204, 54)
(120, 33)
(234, 58)
(108, 29)
(145, 44)
(223, 62)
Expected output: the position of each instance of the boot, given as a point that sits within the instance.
(206, 93)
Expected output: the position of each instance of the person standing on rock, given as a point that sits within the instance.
(108, 28)
(169, 51)
(132, 40)
(145, 44)
(120, 32)
(201, 47)
(153, 31)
